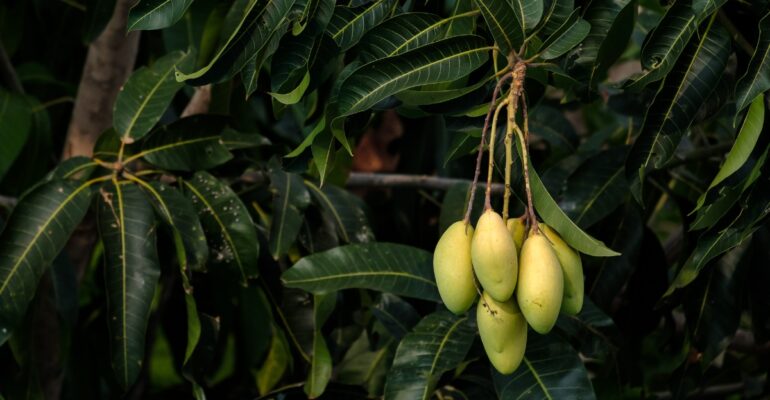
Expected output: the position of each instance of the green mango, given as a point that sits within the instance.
(494, 256)
(503, 332)
(572, 266)
(453, 268)
(518, 229)
(541, 283)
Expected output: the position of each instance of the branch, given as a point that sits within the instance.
(367, 179)
(199, 102)
(8, 202)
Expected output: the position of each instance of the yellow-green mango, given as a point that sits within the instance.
(453, 268)
(503, 332)
(494, 256)
(518, 229)
(572, 267)
(541, 283)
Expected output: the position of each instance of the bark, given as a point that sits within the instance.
(199, 102)
(109, 62)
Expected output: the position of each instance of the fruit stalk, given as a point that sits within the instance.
(512, 103)
(491, 163)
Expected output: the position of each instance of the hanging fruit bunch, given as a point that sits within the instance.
(521, 269)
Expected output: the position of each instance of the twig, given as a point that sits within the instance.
(369, 179)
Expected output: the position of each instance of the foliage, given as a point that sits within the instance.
(232, 262)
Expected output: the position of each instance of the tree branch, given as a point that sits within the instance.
(199, 102)
(368, 179)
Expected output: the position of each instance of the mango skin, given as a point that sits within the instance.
(453, 268)
(572, 267)
(494, 256)
(518, 229)
(541, 283)
(503, 332)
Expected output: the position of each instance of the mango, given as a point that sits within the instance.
(572, 267)
(494, 256)
(453, 268)
(518, 229)
(503, 332)
(541, 283)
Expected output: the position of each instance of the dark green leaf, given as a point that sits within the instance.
(276, 363)
(321, 364)
(572, 32)
(290, 63)
(345, 210)
(38, 228)
(395, 314)
(425, 96)
(366, 365)
(528, 13)
(290, 198)
(441, 61)
(78, 168)
(231, 233)
(683, 91)
(127, 228)
(348, 25)
(554, 15)
(146, 96)
(503, 23)
(324, 149)
(16, 120)
(437, 344)
(455, 204)
(251, 70)
(611, 24)
(551, 369)
(757, 77)
(156, 14)
(387, 267)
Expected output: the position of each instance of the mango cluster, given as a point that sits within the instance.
(527, 278)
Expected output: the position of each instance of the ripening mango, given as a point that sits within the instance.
(494, 256)
(518, 229)
(453, 269)
(572, 267)
(503, 332)
(541, 283)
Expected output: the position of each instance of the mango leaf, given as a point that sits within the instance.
(425, 96)
(742, 147)
(156, 14)
(441, 61)
(37, 230)
(572, 32)
(276, 363)
(555, 13)
(231, 233)
(177, 212)
(146, 96)
(247, 27)
(321, 364)
(665, 43)
(757, 77)
(290, 198)
(365, 364)
(348, 25)
(289, 65)
(611, 24)
(127, 228)
(402, 33)
(194, 143)
(455, 202)
(16, 120)
(388, 267)
(437, 344)
(345, 210)
(551, 369)
(324, 149)
(528, 13)
(79, 168)
(681, 94)
(395, 314)
(503, 24)
(253, 67)
(596, 188)
(549, 210)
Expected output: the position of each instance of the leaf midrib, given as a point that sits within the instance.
(351, 274)
(356, 18)
(425, 394)
(148, 13)
(328, 202)
(537, 379)
(143, 105)
(499, 27)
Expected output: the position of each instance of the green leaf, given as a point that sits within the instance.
(453, 207)
(16, 120)
(324, 149)
(569, 35)
(404, 32)
(441, 61)
(78, 168)
(321, 364)
(177, 212)
(251, 70)
(194, 143)
(146, 96)
(319, 127)
(437, 344)
(665, 43)
(290, 198)
(366, 364)
(757, 77)
(743, 146)
(348, 25)
(555, 14)
(156, 14)
(127, 228)
(345, 210)
(528, 12)
(294, 96)
(503, 23)
(612, 22)
(276, 363)
(551, 369)
(549, 210)
(681, 94)
(231, 234)
(388, 267)
(423, 96)
(193, 326)
(396, 315)
(247, 27)
(290, 63)
(37, 230)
